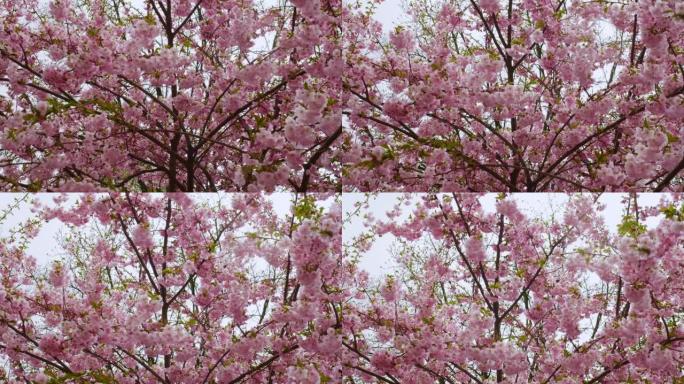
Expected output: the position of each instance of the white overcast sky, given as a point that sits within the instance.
(377, 261)
(391, 13)
(45, 246)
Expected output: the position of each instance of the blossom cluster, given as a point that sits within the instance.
(185, 289)
(535, 95)
(134, 104)
(468, 95)
(170, 95)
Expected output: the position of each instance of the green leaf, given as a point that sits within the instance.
(191, 323)
(62, 378)
(107, 106)
(630, 227)
(324, 378)
(35, 186)
(670, 212)
(103, 378)
(149, 19)
(261, 121)
(306, 209)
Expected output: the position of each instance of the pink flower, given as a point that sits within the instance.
(475, 250)
(390, 290)
(59, 9)
(490, 6)
(42, 108)
(402, 39)
(57, 277)
(40, 378)
(382, 361)
(50, 345)
(142, 238)
(54, 76)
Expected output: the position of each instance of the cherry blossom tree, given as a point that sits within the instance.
(517, 95)
(170, 95)
(176, 289)
(502, 296)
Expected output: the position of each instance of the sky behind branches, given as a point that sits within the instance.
(389, 13)
(378, 261)
(45, 246)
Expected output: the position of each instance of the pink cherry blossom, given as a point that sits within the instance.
(183, 298)
(520, 95)
(181, 91)
(555, 298)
